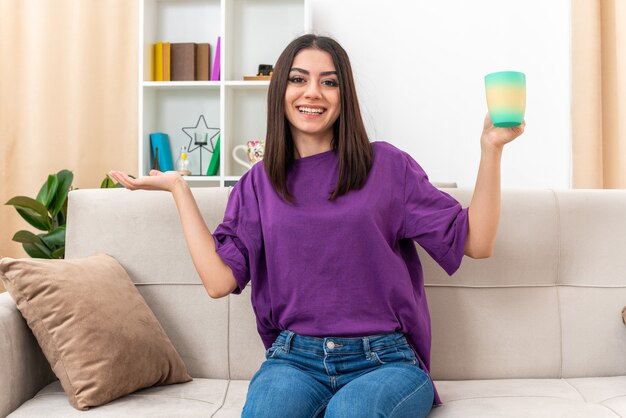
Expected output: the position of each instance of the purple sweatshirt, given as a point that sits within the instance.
(342, 268)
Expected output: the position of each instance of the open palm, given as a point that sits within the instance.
(157, 180)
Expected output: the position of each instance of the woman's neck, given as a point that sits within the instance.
(305, 147)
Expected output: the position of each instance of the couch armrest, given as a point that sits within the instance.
(24, 369)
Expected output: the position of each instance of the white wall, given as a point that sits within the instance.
(419, 68)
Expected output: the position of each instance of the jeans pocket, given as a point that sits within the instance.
(398, 354)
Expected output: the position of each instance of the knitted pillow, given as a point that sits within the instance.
(93, 326)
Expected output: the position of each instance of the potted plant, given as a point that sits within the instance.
(48, 213)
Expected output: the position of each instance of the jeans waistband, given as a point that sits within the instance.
(339, 345)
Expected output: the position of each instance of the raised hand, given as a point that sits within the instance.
(157, 180)
(498, 137)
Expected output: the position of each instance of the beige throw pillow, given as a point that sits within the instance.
(93, 326)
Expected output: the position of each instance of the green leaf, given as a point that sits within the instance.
(55, 238)
(27, 237)
(65, 183)
(33, 211)
(34, 219)
(62, 215)
(59, 253)
(108, 183)
(59, 220)
(47, 191)
(37, 251)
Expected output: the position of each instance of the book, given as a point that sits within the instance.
(216, 62)
(157, 65)
(160, 144)
(166, 61)
(214, 164)
(183, 61)
(202, 61)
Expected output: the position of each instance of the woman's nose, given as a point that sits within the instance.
(312, 90)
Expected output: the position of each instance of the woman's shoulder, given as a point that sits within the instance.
(247, 183)
(386, 153)
(386, 148)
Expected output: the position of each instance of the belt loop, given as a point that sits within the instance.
(366, 347)
(290, 335)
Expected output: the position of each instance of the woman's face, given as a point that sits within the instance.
(312, 98)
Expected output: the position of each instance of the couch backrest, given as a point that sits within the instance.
(547, 304)
(142, 230)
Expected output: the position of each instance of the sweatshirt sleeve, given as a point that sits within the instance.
(433, 218)
(232, 237)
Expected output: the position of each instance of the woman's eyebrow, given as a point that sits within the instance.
(306, 72)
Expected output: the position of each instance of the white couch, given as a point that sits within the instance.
(534, 331)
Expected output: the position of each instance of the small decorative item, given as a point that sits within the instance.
(265, 69)
(182, 163)
(254, 151)
(264, 73)
(200, 137)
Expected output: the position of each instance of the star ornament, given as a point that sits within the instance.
(201, 135)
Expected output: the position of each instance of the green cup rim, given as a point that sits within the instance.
(505, 73)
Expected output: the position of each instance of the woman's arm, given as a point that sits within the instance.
(484, 209)
(217, 276)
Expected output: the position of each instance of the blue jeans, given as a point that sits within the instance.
(306, 377)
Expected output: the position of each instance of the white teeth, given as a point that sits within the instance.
(311, 110)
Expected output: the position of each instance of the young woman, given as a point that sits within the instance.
(324, 229)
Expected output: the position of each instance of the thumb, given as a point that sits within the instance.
(487, 122)
(155, 172)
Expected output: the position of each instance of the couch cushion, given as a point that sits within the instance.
(600, 397)
(93, 326)
(198, 398)
(235, 399)
(483, 333)
(608, 391)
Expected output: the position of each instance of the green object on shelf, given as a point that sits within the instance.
(214, 165)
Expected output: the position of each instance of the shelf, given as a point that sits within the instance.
(181, 85)
(252, 32)
(192, 85)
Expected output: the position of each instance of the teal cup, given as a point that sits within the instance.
(506, 98)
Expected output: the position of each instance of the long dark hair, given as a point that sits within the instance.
(349, 141)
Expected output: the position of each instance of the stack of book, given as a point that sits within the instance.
(186, 61)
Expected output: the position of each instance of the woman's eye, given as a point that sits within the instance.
(296, 79)
(330, 83)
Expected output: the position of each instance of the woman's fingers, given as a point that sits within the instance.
(123, 179)
(157, 180)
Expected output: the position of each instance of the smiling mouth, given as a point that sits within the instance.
(311, 110)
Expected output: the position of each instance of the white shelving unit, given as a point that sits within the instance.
(252, 32)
